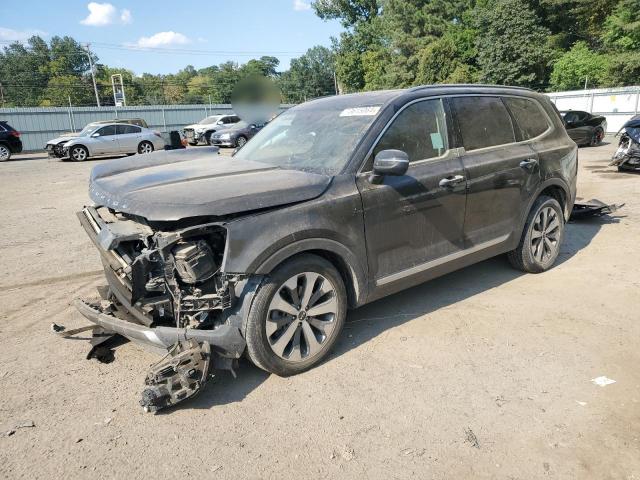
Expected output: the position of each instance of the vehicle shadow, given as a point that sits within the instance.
(370, 321)
(375, 318)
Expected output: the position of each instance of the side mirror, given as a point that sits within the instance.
(219, 122)
(389, 162)
(252, 126)
(95, 135)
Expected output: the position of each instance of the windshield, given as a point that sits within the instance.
(89, 129)
(317, 137)
(209, 120)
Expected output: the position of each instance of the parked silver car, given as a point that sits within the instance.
(98, 139)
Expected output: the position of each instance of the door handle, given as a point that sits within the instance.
(451, 181)
(529, 163)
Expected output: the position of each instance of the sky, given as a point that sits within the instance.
(160, 36)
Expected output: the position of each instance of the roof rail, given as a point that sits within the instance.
(467, 85)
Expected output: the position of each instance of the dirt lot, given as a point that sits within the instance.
(484, 373)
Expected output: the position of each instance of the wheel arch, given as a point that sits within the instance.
(338, 255)
(555, 188)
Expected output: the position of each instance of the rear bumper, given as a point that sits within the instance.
(225, 340)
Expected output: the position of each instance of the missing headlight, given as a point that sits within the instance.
(195, 262)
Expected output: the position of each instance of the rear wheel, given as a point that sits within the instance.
(241, 141)
(193, 144)
(5, 153)
(78, 153)
(296, 315)
(145, 147)
(540, 244)
(596, 138)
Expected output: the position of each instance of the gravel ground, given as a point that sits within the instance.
(483, 373)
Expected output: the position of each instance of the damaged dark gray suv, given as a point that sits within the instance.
(335, 203)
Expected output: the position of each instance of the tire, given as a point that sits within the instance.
(241, 141)
(193, 144)
(145, 147)
(596, 138)
(5, 153)
(78, 153)
(207, 138)
(540, 243)
(279, 342)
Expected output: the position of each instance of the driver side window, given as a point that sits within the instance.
(107, 131)
(420, 131)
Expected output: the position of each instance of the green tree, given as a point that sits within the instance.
(309, 76)
(512, 45)
(64, 88)
(349, 12)
(577, 65)
(622, 27)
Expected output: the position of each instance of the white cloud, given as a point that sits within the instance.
(125, 16)
(101, 14)
(301, 5)
(162, 39)
(10, 35)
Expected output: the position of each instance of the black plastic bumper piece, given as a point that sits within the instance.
(226, 340)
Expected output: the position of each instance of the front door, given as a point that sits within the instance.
(413, 219)
(106, 142)
(501, 172)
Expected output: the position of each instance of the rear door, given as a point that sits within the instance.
(129, 136)
(501, 172)
(411, 220)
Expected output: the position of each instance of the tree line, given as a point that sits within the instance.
(541, 44)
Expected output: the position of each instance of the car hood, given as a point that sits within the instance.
(175, 184)
(63, 138)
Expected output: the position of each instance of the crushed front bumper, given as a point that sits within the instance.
(225, 340)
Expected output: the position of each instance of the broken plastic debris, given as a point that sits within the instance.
(603, 381)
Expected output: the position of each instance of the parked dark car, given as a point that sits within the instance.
(337, 202)
(237, 135)
(10, 142)
(585, 128)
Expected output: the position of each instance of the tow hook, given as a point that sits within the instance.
(179, 375)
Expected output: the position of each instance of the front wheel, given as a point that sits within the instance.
(296, 315)
(540, 243)
(5, 153)
(145, 147)
(79, 153)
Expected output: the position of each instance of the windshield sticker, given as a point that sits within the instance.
(360, 112)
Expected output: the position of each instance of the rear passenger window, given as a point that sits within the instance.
(530, 119)
(420, 131)
(483, 121)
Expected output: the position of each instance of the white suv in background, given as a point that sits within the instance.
(202, 131)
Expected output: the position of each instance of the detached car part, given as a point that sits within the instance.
(593, 208)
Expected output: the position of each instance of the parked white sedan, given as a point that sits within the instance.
(98, 139)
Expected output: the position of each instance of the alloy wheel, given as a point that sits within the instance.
(545, 234)
(146, 148)
(5, 154)
(241, 142)
(302, 316)
(79, 154)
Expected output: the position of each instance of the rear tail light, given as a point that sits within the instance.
(14, 133)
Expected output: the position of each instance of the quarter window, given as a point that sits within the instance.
(420, 131)
(483, 121)
(529, 117)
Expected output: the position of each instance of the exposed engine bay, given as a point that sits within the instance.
(166, 290)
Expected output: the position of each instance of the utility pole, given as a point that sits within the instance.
(93, 74)
(1, 95)
(335, 82)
